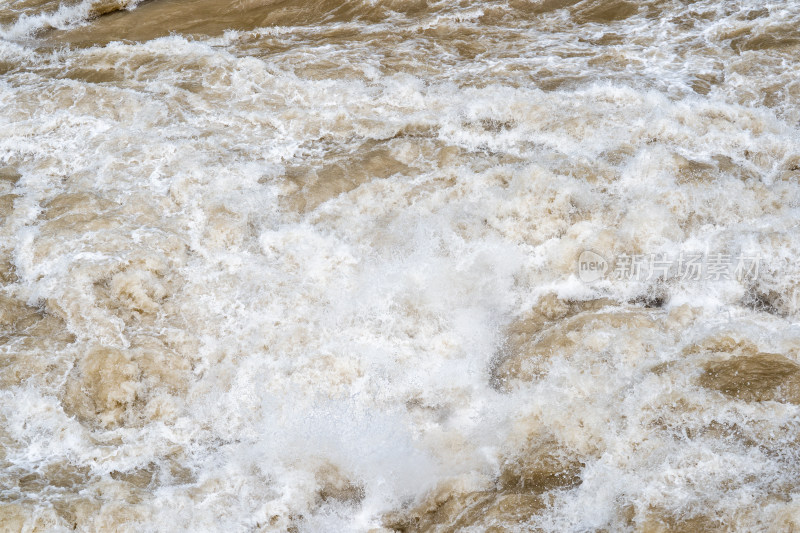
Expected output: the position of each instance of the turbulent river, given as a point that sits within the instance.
(399, 265)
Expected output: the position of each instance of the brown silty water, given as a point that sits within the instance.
(314, 266)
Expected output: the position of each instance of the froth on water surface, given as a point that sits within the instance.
(286, 266)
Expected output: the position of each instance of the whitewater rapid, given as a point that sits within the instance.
(316, 266)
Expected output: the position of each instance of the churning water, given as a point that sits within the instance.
(399, 265)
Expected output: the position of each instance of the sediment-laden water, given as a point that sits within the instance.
(410, 265)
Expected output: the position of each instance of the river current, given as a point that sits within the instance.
(399, 265)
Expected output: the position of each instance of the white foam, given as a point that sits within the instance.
(362, 333)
